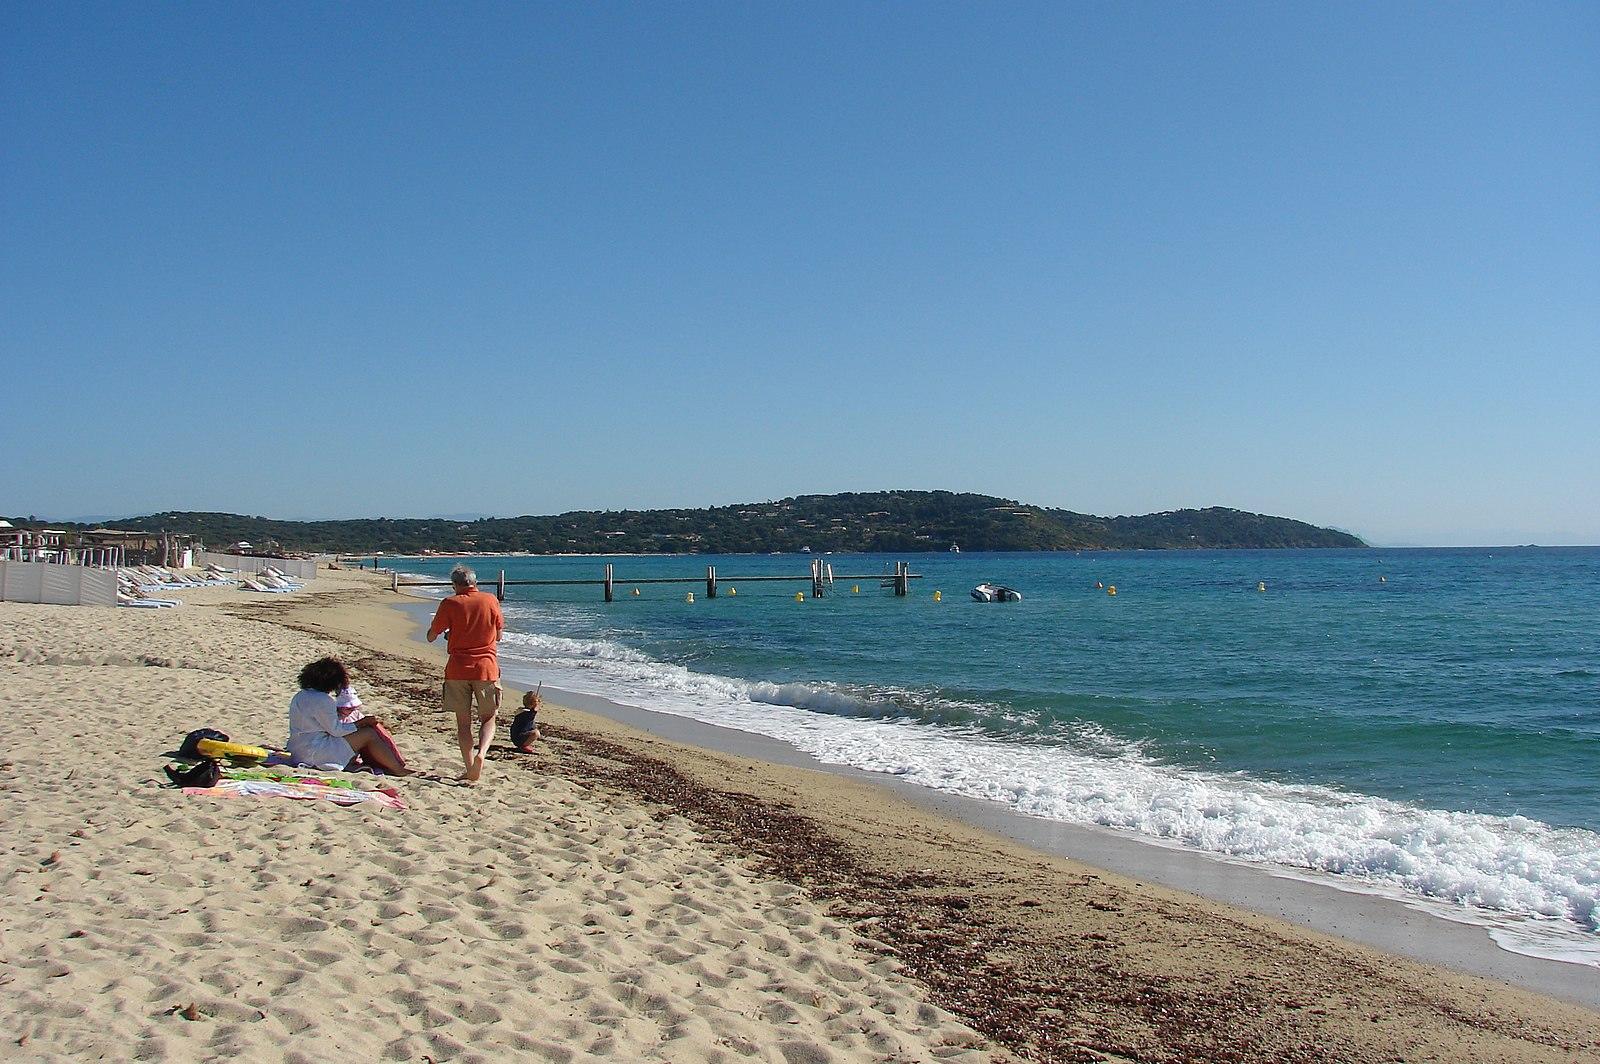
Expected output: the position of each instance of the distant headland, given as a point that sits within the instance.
(883, 521)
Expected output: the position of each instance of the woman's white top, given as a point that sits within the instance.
(316, 732)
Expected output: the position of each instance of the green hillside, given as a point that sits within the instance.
(889, 521)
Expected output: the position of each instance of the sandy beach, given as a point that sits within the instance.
(614, 896)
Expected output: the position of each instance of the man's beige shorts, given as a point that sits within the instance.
(460, 694)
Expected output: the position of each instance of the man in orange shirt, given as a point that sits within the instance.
(472, 675)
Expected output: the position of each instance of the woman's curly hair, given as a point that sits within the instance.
(324, 674)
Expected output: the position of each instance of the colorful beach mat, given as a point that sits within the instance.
(282, 776)
(303, 790)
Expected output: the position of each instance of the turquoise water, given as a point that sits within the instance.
(1424, 720)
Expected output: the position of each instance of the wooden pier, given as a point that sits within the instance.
(821, 579)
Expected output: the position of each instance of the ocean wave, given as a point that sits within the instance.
(625, 665)
(555, 649)
(1492, 864)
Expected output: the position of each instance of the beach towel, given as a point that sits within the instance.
(386, 797)
(278, 776)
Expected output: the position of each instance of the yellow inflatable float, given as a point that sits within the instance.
(232, 751)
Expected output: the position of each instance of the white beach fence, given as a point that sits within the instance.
(60, 585)
(293, 568)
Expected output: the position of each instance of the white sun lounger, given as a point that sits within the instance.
(255, 585)
(147, 603)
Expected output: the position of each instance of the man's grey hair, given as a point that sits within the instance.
(461, 576)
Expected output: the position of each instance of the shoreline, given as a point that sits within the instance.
(913, 836)
(1367, 917)
(615, 895)
(1406, 927)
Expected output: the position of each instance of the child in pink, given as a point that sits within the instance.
(348, 704)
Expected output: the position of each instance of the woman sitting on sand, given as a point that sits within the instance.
(319, 739)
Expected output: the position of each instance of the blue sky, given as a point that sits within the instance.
(1340, 263)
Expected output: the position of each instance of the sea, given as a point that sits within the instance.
(1422, 723)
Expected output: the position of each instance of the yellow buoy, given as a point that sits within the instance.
(689, 597)
(938, 596)
(1261, 585)
(1112, 590)
(799, 596)
(855, 589)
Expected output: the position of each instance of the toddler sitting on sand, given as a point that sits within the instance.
(525, 726)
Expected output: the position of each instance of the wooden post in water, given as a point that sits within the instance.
(711, 581)
(611, 582)
(500, 588)
(816, 578)
(394, 580)
(900, 581)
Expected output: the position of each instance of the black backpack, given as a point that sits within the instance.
(191, 742)
(206, 773)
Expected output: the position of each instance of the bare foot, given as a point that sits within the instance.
(474, 770)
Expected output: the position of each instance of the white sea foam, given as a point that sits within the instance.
(1543, 879)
